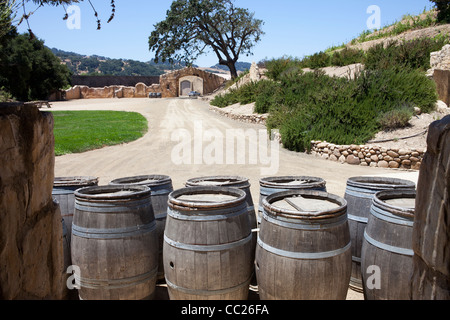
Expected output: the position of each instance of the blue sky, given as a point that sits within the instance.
(292, 27)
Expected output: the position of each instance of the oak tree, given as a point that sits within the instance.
(193, 26)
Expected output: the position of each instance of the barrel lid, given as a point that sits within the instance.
(305, 204)
(75, 181)
(206, 197)
(380, 183)
(145, 180)
(228, 181)
(292, 182)
(112, 193)
(400, 202)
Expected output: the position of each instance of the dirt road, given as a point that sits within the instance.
(186, 140)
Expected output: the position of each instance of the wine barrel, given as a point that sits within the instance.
(208, 244)
(386, 256)
(303, 250)
(114, 243)
(161, 187)
(63, 192)
(272, 185)
(359, 193)
(232, 182)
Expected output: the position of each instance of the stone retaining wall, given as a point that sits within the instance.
(369, 155)
(248, 118)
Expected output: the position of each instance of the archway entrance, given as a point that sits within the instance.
(185, 87)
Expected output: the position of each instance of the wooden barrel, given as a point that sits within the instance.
(63, 193)
(233, 182)
(272, 185)
(161, 187)
(208, 244)
(303, 250)
(114, 243)
(359, 193)
(386, 257)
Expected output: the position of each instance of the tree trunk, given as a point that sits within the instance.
(232, 67)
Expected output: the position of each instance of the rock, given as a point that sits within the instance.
(383, 164)
(441, 106)
(333, 158)
(351, 159)
(31, 252)
(392, 154)
(406, 162)
(394, 164)
(361, 155)
(403, 152)
(374, 158)
(430, 279)
(342, 159)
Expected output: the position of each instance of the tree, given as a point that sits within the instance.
(192, 26)
(29, 70)
(443, 8)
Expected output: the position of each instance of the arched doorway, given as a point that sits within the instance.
(185, 87)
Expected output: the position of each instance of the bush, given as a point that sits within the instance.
(397, 118)
(414, 54)
(346, 57)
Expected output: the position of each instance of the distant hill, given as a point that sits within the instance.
(81, 64)
(240, 66)
(98, 65)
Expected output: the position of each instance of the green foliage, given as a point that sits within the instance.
(80, 131)
(346, 57)
(397, 118)
(29, 70)
(414, 54)
(443, 7)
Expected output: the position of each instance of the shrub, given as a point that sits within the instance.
(397, 118)
(414, 54)
(346, 57)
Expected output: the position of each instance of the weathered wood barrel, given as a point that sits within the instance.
(161, 187)
(63, 192)
(208, 244)
(386, 257)
(272, 185)
(114, 243)
(232, 182)
(303, 250)
(359, 193)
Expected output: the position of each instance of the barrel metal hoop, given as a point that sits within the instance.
(303, 255)
(207, 248)
(201, 215)
(115, 283)
(386, 216)
(358, 219)
(306, 224)
(208, 292)
(113, 233)
(112, 207)
(383, 246)
(265, 191)
(360, 193)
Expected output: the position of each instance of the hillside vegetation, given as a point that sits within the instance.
(307, 106)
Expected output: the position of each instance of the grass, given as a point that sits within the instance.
(80, 131)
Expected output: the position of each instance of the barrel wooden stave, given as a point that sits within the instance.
(161, 187)
(387, 245)
(289, 261)
(195, 270)
(114, 244)
(359, 194)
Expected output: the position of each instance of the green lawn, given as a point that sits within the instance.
(80, 131)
